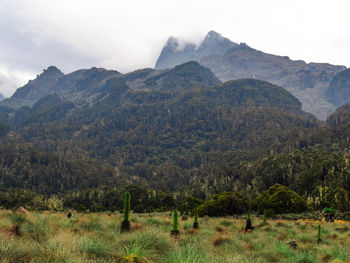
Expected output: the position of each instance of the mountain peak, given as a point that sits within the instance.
(213, 35)
(214, 44)
(53, 69)
(40, 86)
(51, 72)
(177, 52)
(172, 42)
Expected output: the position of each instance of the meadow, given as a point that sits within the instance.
(92, 237)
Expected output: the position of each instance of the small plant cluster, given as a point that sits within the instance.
(126, 226)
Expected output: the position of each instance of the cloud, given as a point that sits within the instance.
(126, 35)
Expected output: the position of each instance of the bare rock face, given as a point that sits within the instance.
(175, 53)
(229, 61)
(41, 86)
(338, 92)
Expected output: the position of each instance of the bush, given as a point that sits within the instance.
(281, 200)
(226, 203)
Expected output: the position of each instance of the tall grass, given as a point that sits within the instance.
(50, 237)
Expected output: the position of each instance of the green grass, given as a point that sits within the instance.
(51, 237)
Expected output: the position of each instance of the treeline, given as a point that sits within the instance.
(278, 199)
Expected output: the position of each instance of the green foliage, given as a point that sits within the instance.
(319, 239)
(226, 203)
(330, 210)
(281, 200)
(265, 217)
(196, 215)
(127, 207)
(175, 221)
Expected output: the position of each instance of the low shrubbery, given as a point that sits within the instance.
(223, 204)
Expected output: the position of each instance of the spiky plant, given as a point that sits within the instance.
(175, 230)
(265, 217)
(195, 223)
(319, 234)
(248, 225)
(125, 226)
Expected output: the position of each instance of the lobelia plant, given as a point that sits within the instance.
(265, 217)
(319, 234)
(195, 223)
(125, 226)
(69, 215)
(175, 230)
(248, 225)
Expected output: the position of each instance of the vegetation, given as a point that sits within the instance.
(223, 204)
(175, 229)
(125, 226)
(278, 199)
(181, 134)
(49, 237)
(195, 223)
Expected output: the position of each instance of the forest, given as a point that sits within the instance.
(173, 135)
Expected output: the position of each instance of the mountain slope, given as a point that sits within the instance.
(165, 128)
(175, 53)
(338, 91)
(81, 86)
(160, 128)
(308, 82)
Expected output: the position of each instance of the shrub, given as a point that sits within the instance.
(226, 203)
(281, 200)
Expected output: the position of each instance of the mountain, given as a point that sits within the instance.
(175, 52)
(160, 127)
(41, 86)
(338, 91)
(230, 61)
(2, 97)
(80, 86)
(178, 129)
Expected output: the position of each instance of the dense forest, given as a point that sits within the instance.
(170, 134)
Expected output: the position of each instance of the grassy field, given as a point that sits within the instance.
(51, 237)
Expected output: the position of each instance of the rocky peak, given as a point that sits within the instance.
(172, 42)
(41, 86)
(53, 70)
(175, 53)
(214, 44)
(212, 35)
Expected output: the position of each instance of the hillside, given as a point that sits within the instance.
(338, 91)
(228, 61)
(160, 127)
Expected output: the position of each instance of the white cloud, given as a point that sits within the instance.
(129, 34)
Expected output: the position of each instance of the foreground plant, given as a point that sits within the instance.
(195, 223)
(125, 226)
(175, 230)
(248, 225)
(265, 217)
(319, 234)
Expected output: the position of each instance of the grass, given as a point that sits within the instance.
(51, 237)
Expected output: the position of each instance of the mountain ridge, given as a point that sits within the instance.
(307, 81)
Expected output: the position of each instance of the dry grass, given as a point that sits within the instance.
(51, 237)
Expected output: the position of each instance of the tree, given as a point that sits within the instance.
(226, 203)
(280, 199)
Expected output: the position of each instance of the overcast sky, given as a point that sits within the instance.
(128, 34)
